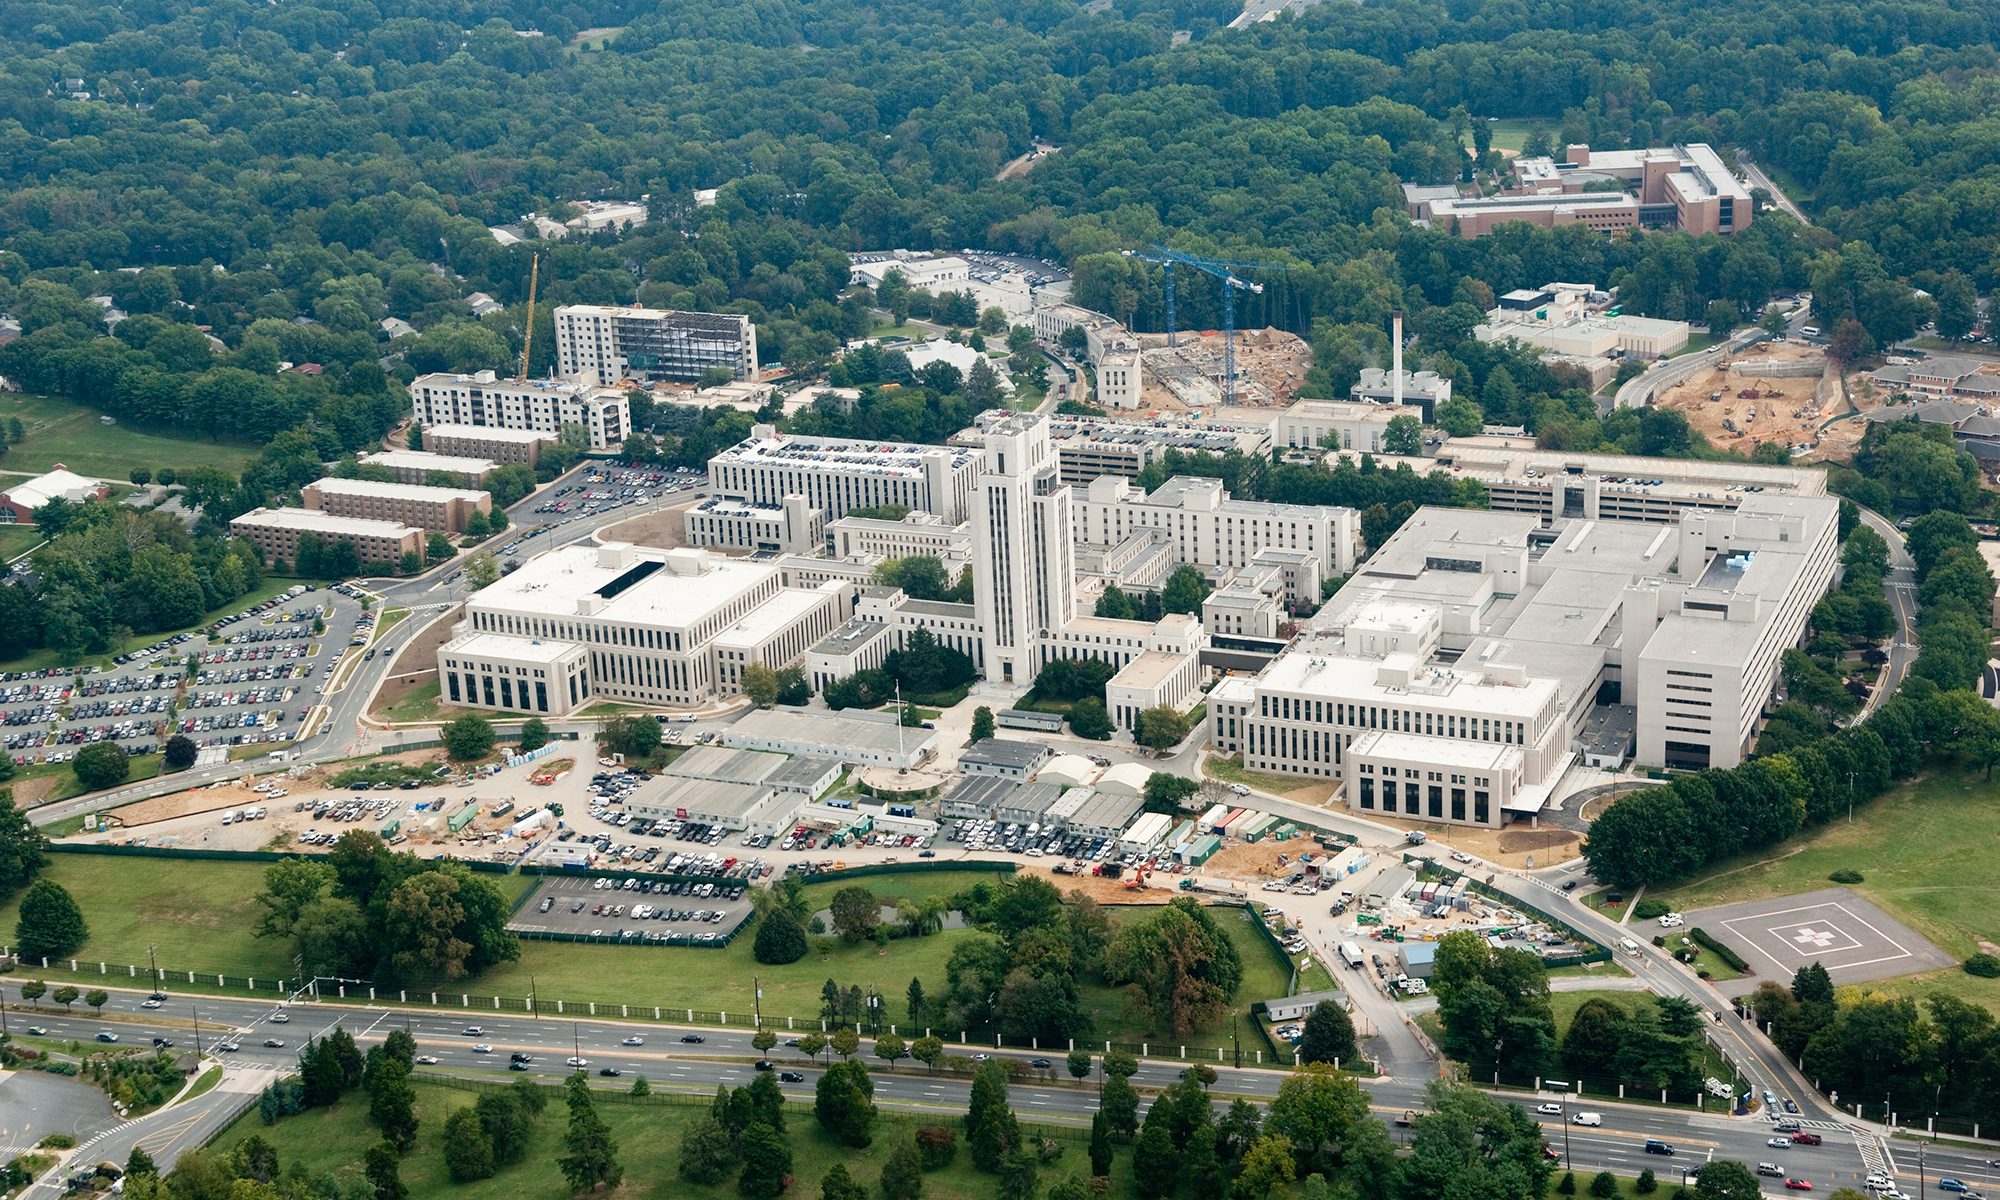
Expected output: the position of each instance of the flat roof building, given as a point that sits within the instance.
(790, 527)
(1685, 187)
(838, 474)
(1337, 424)
(1554, 484)
(1211, 530)
(1087, 448)
(861, 739)
(1004, 758)
(672, 627)
(522, 405)
(522, 446)
(437, 470)
(1452, 678)
(276, 533)
(610, 344)
(442, 509)
(20, 503)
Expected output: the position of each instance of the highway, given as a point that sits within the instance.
(726, 1056)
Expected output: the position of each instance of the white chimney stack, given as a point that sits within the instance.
(1396, 373)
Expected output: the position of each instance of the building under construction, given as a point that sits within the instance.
(606, 345)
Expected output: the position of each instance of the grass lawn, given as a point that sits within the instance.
(1230, 770)
(648, 1138)
(1511, 133)
(201, 914)
(424, 704)
(1917, 848)
(594, 39)
(61, 432)
(914, 333)
(62, 783)
(1697, 342)
(16, 540)
(39, 659)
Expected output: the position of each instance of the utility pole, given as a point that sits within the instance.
(757, 989)
(196, 1010)
(153, 956)
(575, 1042)
(1563, 1085)
(534, 999)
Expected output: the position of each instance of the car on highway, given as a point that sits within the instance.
(1798, 1185)
(517, 1065)
(634, 1040)
(279, 1018)
(1803, 1138)
(765, 1064)
(1948, 1184)
(160, 1043)
(107, 1036)
(427, 1060)
(520, 1056)
(1783, 1143)
(1655, 1146)
(1551, 1108)
(609, 1072)
(38, 1031)
(482, 1048)
(1041, 1064)
(275, 1043)
(473, 1031)
(150, 1003)
(1569, 885)
(576, 1061)
(1770, 1170)
(692, 1039)
(790, 1077)
(227, 1047)
(982, 1056)
(1789, 1106)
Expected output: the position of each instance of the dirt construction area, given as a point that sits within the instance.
(1781, 392)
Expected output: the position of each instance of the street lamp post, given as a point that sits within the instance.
(196, 1010)
(1563, 1086)
(153, 956)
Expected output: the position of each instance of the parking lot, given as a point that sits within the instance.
(256, 674)
(637, 909)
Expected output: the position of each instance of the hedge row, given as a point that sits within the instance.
(1729, 957)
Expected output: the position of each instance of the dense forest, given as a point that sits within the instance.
(287, 176)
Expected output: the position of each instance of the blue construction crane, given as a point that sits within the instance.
(1224, 270)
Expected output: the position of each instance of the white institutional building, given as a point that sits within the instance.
(615, 622)
(1452, 678)
(677, 627)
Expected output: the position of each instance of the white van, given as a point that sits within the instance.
(1629, 946)
(1586, 1118)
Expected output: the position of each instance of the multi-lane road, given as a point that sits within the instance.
(727, 1056)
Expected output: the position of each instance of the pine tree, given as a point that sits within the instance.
(1100, 1144)
(591, 1157)
(903, 1174)
(990, 1127)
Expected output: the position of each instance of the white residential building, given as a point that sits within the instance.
(838, 474)
(609, 344)
(520, 405)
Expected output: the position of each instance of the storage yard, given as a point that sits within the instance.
(1779, 392)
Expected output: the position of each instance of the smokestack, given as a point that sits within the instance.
(1396, 372)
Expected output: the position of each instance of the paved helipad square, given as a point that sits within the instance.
(1849, 936)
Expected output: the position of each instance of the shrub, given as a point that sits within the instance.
(1568, 1185)
(937, 1145)
(57, 1141)
(1846, 875)
(1986, 966)
(1648, 910)
(1604, 1185)
(1646, 1184)
(1730, 957)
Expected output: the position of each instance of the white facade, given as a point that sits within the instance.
(1477, 644)
(607, 344)
(1024, 576)
(421, 466)
(1339, 424)
(838, 474)
(917, 533)
(671, 627)
(1209, 529)
(922, 272)
(791, 527)
(511, 674)
(525, 405)
(1119, 380)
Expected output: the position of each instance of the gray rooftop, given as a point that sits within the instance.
(1005, 753)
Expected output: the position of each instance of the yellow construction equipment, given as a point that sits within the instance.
(528, 338)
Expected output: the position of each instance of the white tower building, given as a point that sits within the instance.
(1024, 581)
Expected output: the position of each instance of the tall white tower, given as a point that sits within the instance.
(1024, 583)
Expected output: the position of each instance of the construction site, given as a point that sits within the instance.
(1270, 366)
(1781, 392)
